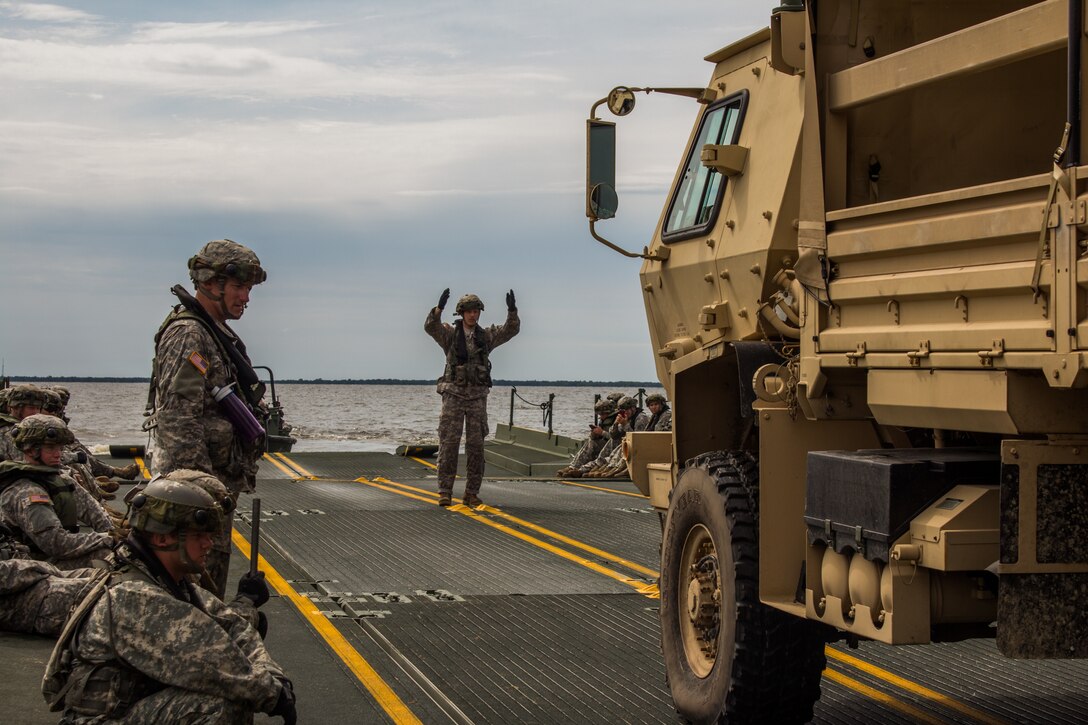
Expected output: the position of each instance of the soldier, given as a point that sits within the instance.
(44, 507)
(23, 401)
(464, 387)
(598, 437)
(197, 356)
(87, 470)
(660, 415)
(629, 417)
(148, 646)
(35, 596)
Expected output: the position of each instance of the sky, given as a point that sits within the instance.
(371, 154)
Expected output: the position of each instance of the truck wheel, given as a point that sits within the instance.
(729, 658)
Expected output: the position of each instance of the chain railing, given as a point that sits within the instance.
(546, 408)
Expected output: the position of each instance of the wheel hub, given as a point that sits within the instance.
(700, 621)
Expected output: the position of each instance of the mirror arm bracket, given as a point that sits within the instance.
(659, 256)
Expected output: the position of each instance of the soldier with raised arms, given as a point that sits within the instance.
(205, 398)
(464, 387)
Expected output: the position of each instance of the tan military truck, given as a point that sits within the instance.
(867, 296)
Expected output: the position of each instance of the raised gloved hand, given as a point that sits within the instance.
(285, 705)
(511, 303)
(254, 588)
(444, 299)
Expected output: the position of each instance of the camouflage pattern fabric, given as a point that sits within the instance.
(612, 454)
(469, 414)
(36, 597)
(25, 507)
(8, 450)
(189, 431)
(589, 451)
(464, 407)
(661, 422)
(210, 660)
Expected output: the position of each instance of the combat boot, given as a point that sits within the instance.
(576, 473)
(564, 471)
(444, 500)
(129, 472)
(106, 484)
(472, 500)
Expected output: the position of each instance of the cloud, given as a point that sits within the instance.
(46, 12)
(175, 32)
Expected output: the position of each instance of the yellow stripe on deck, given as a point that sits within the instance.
(647, 590)
(872, 693)
(283, 468)
(367, 676)
(913, 687)
(302, 471)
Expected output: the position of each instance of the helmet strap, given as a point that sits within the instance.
(204, 289)
(190, 565)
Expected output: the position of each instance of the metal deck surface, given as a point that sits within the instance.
(537, 608)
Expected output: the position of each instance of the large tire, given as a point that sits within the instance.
(729, 658)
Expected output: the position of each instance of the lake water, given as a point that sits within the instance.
(342, 417)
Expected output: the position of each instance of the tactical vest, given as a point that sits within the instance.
(178, 313)
(94, 689)
(463, 367)
(61, 491)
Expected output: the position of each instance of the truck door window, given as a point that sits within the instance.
(694, 208)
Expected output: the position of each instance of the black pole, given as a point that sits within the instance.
(255, 535)
(513, 392)
(1076, 33)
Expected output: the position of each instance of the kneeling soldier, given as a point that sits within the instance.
(147, 645)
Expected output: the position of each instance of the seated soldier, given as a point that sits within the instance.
(146, 645)
(629, 417)
(22, 401)
(591, 448)
(35, 596)
(660, 415)
(43, 506)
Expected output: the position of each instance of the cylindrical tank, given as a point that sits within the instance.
(834, 575)
(864, 584)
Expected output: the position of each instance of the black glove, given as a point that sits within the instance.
(285, 705)
(444, 299)
(254, 588)
(511, 303)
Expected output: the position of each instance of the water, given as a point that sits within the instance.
(341, 417)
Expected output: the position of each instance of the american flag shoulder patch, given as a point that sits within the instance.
(199, 362)
(39, 498)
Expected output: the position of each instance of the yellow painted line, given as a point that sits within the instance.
(143, 468)
(381, 692)
(547, 532)
(277, 464)
(648, 590)
(907, 709)
(913, 687)
(305, 474)
(428, 464)
(602, 488)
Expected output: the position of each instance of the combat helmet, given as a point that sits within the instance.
(226, 258)
(54, 402)
(39, 430)
(655, 398)
(604, 407)
(626, 403)
(177, 504)
(469, 302)
(4, 393)
(63, 392)
(21, 395)
(616, 397)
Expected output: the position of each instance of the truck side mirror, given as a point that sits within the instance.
(601, 198)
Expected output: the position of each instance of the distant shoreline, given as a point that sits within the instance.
(349, 381)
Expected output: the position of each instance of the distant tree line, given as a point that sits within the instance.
(352, 381)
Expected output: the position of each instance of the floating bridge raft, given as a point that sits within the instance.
(539, 607)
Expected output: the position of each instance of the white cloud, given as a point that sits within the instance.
(175, 32)
(46, 12)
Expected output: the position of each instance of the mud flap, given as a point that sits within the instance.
(1043, 592)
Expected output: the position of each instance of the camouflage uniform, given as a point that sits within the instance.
(188, 427)
(605, 410)
(662, 421)
(36, 597)
(154, 650)
(43, 507)
(464, 394)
